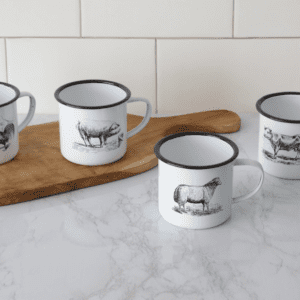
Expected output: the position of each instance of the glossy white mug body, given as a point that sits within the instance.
(279, 134)
(196, 178)
(93, 121)
(9, 128)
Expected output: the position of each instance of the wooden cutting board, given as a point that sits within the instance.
(39, 169)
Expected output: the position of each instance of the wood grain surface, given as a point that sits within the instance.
(39, 169)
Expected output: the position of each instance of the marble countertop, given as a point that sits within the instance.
(110, 242)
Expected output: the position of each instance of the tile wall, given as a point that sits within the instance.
(183, 55)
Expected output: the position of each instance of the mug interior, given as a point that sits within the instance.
(197, 150)
(7, 94)
(286, 107)
(93, 94)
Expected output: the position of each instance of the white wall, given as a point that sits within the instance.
(183, 55)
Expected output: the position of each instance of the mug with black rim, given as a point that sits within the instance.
(195, 183)
(279, 134)
(93, 121)
(9, 127)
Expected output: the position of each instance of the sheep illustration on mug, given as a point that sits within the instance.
(98, 129)
(196, 194)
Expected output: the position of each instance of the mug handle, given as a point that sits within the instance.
(249, 162)
(146, 118)
(31, 111)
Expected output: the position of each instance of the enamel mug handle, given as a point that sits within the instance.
(146, 118)
(249, 162)
(30, 112)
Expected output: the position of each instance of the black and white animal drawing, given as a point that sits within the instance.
(97, 129)
(120, 139)
(282, 142)
(6, 135)
(196, 194)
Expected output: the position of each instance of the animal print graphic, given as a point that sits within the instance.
(7, 133)
(98, 136)
(281, 148)
(195, 194)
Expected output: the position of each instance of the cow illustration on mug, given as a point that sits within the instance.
(196, 194)
(100, 130)
(280, 142)
(7, 133)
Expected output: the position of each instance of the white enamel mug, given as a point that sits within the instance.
(9, 128)
(279, 134)
(196, 178)
(93, 121)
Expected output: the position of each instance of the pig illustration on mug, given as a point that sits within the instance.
(97, 129)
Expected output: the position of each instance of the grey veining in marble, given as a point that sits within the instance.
(110, 242)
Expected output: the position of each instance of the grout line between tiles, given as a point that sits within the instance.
(233, 19)
(80, 18)
(6, 64)
(148, 38)
(156, 102)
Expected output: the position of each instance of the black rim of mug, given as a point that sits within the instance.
(16, 90)
(124, 88)
(173, 136)
(264, 98)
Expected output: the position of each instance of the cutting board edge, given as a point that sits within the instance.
(68, 186)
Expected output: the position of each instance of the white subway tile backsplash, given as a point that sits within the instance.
(268, 18)
(157, 18)
(52, 42)
(39, 18)
(40, 66)
(2, 61)
(198, 75)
